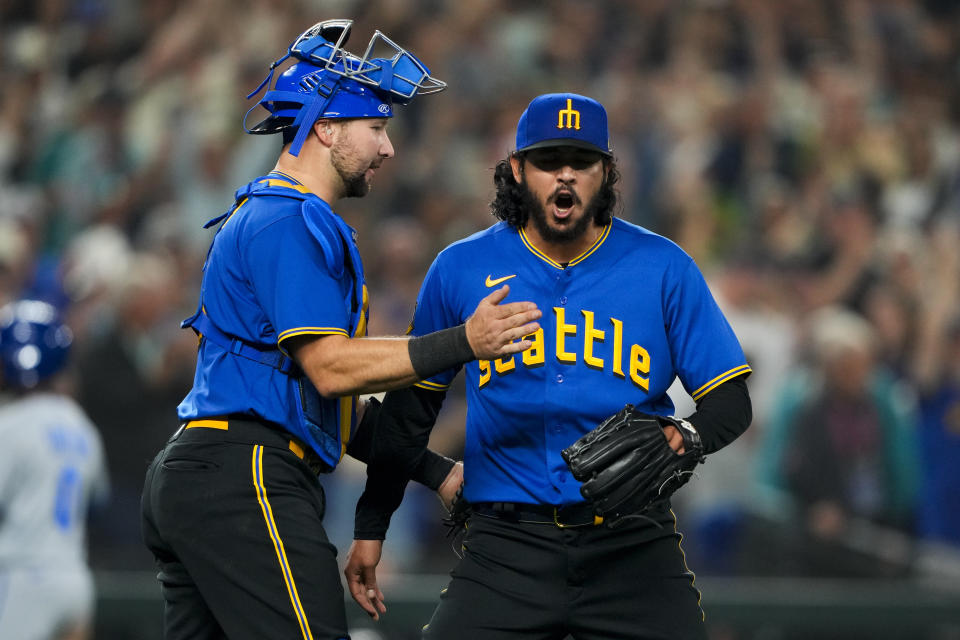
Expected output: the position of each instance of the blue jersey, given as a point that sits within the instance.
(620, 323)
(282, 264)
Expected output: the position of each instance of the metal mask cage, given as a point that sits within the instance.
(399, 77)
(400, 74)
(407, 75)
(317, 46)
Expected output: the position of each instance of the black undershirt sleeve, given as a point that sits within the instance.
(430, 472)
(397, 453)
(723, 414)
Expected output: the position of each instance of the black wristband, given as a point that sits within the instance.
(439, 351)
(432, 470)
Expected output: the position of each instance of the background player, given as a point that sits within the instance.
(629, 313)
(232, 506)
(52, 469)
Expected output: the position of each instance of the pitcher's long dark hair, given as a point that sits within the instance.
(511, 202)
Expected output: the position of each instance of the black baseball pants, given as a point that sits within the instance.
(537, 581)
(233, 518)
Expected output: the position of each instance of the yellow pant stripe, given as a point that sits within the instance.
(223, 425)
(278, 542)
(693, 576)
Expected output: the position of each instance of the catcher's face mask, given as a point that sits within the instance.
(330, 82)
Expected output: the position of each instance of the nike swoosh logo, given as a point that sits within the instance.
(492, 283)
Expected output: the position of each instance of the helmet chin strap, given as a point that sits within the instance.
(269, 77)
(305, 119)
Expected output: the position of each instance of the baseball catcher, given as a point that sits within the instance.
(627, 463)
(283, 356)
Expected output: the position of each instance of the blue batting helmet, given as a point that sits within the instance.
(330, 82)
(34, 343)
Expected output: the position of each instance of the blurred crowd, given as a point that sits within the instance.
(805, 152)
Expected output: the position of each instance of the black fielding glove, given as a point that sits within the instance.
(626, 464)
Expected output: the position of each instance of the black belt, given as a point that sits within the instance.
(246, 430)
(572, 515)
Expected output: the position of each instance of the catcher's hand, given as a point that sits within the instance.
(626, 464)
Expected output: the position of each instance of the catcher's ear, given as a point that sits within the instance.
(324, 131)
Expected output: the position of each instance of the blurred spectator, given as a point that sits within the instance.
(133, 370)
(15, 259)
(940, 445)
(841, 443)
(937, 373)
(399, 264)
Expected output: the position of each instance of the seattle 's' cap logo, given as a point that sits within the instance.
(571, 115)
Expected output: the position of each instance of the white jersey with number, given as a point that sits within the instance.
(52, 468)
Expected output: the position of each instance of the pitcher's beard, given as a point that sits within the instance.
(538, 214)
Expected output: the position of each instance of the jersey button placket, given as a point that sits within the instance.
(557, 402)
(562, 301)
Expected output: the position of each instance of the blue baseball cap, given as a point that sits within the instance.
(564, 119)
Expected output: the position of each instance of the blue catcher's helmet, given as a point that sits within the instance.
(329, 82)
(34, 343)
